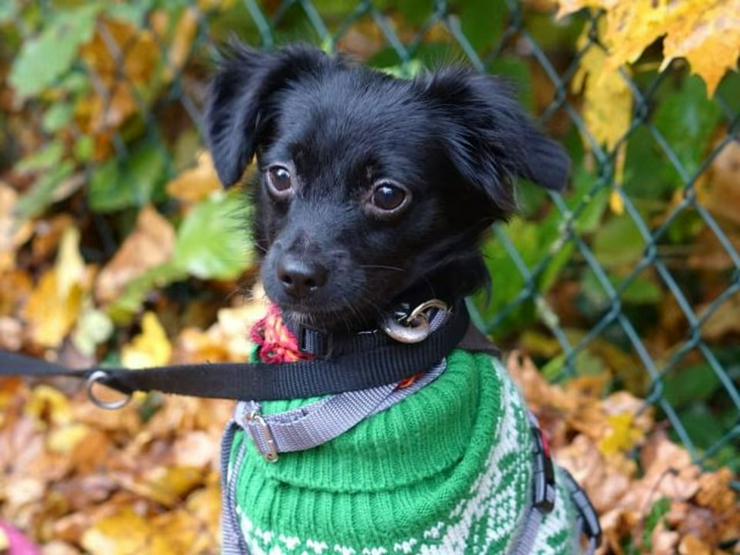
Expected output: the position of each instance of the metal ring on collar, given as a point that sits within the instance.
(416, 327)
(424, 310)
(94, 378)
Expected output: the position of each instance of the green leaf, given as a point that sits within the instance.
(642, 290)
(46, 158)
(481, 21)
(57, 116)
(405, 71)
(133, 12)
(41, 195)
(693, 384)
(85, 148)
(212, 242)
(134, 181)
(128, 305)
(619, 242)
(45, 58)
(687, 119)
(590, 216)
(7, 10)
(519, 74)
(533, 241)
(659, 509)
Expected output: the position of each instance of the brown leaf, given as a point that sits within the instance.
(123, 61)
(195, 184)
(691, 545)
(13, 231)
(195, 449)
(151, 244)
(182, 41)
(15, 288)
(719, 193)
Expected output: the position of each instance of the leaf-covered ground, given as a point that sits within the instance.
(145, 479)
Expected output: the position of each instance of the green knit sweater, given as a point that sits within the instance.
(447, 470)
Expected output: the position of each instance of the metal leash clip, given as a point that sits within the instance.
(93, 379)
(415, 327)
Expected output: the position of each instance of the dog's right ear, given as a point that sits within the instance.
(489, 138)
(240, 107)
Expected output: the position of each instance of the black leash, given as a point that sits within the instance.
(361, 361)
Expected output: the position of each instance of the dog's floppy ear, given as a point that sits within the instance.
(240, 103)
(489, 138)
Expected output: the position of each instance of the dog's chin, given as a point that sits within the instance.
(330, 318)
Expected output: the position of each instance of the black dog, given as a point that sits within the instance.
(374, 191)
(371, 185)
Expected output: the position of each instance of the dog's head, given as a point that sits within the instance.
(370, 186)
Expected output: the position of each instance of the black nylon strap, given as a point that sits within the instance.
(383, 363)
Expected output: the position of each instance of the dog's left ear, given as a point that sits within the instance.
(241, 101)
(489, 138)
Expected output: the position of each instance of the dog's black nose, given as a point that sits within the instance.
(300, 277)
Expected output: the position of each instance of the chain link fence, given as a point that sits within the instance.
(651, 300)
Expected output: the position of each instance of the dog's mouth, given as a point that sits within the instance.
(348, 318)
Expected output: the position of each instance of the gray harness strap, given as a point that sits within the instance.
(232, 540)
(528, 532)
(309, 427)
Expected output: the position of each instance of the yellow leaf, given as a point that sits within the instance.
(49, 405)
(179, 532)
(195, 184)
(168, 485)
(50, 315)
(220, 5)
(616, 204)
(150, 348)
(70, 266)
(227, 339)
(621, 435)
(607, 108)
(55, 304)
(567, 7)
(709, 38)
(125, 533)
(63, 440)
(704, 32)
(607, 100)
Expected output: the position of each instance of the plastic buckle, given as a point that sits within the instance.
(544, 472)
(591, 525)
(315, 342)
(262, 436)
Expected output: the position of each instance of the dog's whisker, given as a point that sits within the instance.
(382, 267)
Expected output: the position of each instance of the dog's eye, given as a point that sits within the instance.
(279, 180)
(388, 197)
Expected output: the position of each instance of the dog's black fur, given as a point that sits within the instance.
(450, 144)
